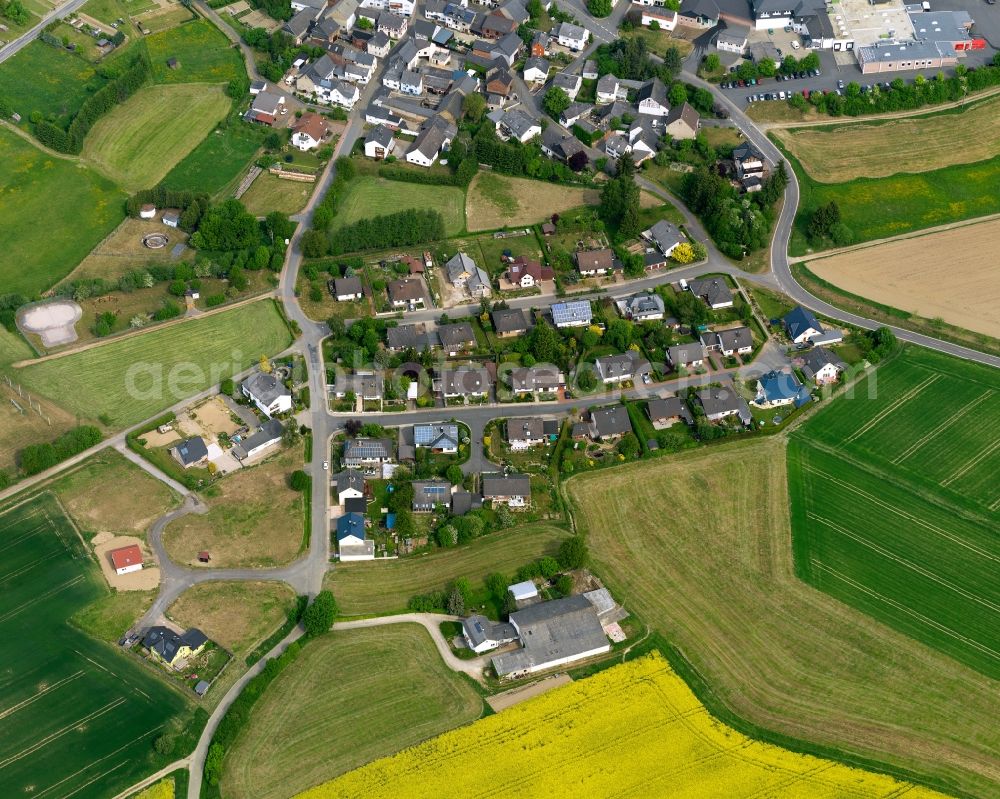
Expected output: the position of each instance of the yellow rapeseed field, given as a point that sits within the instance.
(633, 730)
(164, 789)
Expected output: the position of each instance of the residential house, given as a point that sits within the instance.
(352, 542)
(462, 502)
(508, 49)
(416, 337)
(525, 433)
(509, 322)
(269, 434)
(568, 83)
(570, 36)
(435, 135)
(544, 379)
(652, 99)
(392, 25)
(560, 146)
(714, 291)
(682, 122)
(515, 124)
(775, 389)
(653, 259)
(720, 403)
(641, 307)
(310, 132)
(456, 338)
(464, 382)
(609, 423)
(540, 42)
(616, 146)
(126, 560)
(663, 17)
(313, 5)
(403, 7)
(411, 83)
(479, 284)
(575, 313)
(407, 292)
(526, 273)
(172, 648)
(686, 355)
(265, 108)
(482, 635)
(499, 80)
(368, 453)
(822, 366)
(430, 494)
(512, 490)
(801, 325)
(609, 89)
(735, 341)
(665, 235)
(379, 115)
(573, 113)
(297, 27)
(379, 142)
(379, 45)
(438, 438)
(595, 262)
(459, 268)
(350, 484)
(732, 39)
(536, 70)
(749, 164)
(552, 634)
(665, 412)
(644, 138)
(493, 26)
(347, 288)
(619, 368)
(269, 394)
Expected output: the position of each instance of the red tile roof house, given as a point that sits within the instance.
(525, 273)
(126, 559)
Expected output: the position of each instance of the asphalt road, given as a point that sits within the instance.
(30, 35)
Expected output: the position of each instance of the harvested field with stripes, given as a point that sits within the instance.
(76, 718)
(895, 503)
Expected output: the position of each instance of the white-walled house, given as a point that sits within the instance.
(268, 393)
(664, 17)
(379, 142)
(310, 131)
(572, 36)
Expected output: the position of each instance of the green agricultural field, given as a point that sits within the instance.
(386, 587)
(132, 379)
(215, 163)
(142, 139)
(35, 187)
(76, 717)
(369, 196)
(271, 193)
(876, 208)
(895, 502)
(203, 53)
(60, 82)
(372, 693)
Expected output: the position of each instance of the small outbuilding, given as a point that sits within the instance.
(523, 591)
(126, 559)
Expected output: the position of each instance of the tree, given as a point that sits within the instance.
(822, 221)
(455, 603)
(678, 94)
(315, 244)
(473, 106)
(599, 8)
(364, 23)
(226, 227)
(712, 62)
(619, 334)
(227, 387)
(629, 446)
(683, 253)
(454, 474)
(564, 585)
(319, 616)
(810, 62)
(299, 480)
(573, 553)
(548, 566)
(766, 67)
(556, 101)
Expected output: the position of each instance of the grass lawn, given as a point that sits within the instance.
(875, 208)
(35, 187)
(234, 615)
(271, 193)
(111, 615)
(17, 429)
(60, 82)
(497, 201)
(373, 692)
(659, 41)
(839, 153)
(107, 11)
(202, 50)
(138, 500)
(715, 576)
(142, 139)
(386, 586)
(220, 158)
(74, 683)
(772, 304)
(254, 518)
(133, 378)
(370, 196)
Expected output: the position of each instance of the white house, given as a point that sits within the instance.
(435, 136)
(268, 393)
(270, 433)
(664, 17)
(310, 131)
(347, 288)
(686, 355)
(349, 484)
(665, 235)
(126, 560)
(536, 70)
(379, 142)
(653, 99)
(352, 543)
(572, 36)
(402, 7)
(801, 325)
(568, 83)
(822, 366)
(609, 89)
(515, 124)
(482, 635)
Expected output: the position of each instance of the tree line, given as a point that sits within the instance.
(36, 458)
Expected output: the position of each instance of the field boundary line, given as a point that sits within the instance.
(910, 612)
(24, 537)
(39, 694)
(22, 570)
(906, 515)
(52, 592)
(941, 427)
(61, 732)
(90, 782)
(913, 392)
(904, 562)
(973, 462)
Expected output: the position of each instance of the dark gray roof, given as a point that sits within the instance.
(461, 503)
(686, 353)
(715, 400)
(356, 505)
(666, 234)
(653, 90)
(368, 448)
(459, 334)
(347, 285)
(735, 338)
(381, 135)
(817, 358)
(683, 112)
(511, 485)
(165, 642)
(669, 408)
(509, 320)
(713, 290)
(265, 388)
(272, 430)
(624, 365)
(192, 450)
(349, 478)
(611, 421)
(467, 380)
(536, 378)
(525, 429)
(427, 493)
(416, 336)
(478, 629)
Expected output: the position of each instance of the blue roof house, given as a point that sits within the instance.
(351, 541)
(777, 388)
(801, 325)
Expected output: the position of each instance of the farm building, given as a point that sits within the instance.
(552, 634)
(482, 635)
(126, 559)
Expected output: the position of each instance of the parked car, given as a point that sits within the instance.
(795, 45)
(840, 84)
(781, 95)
